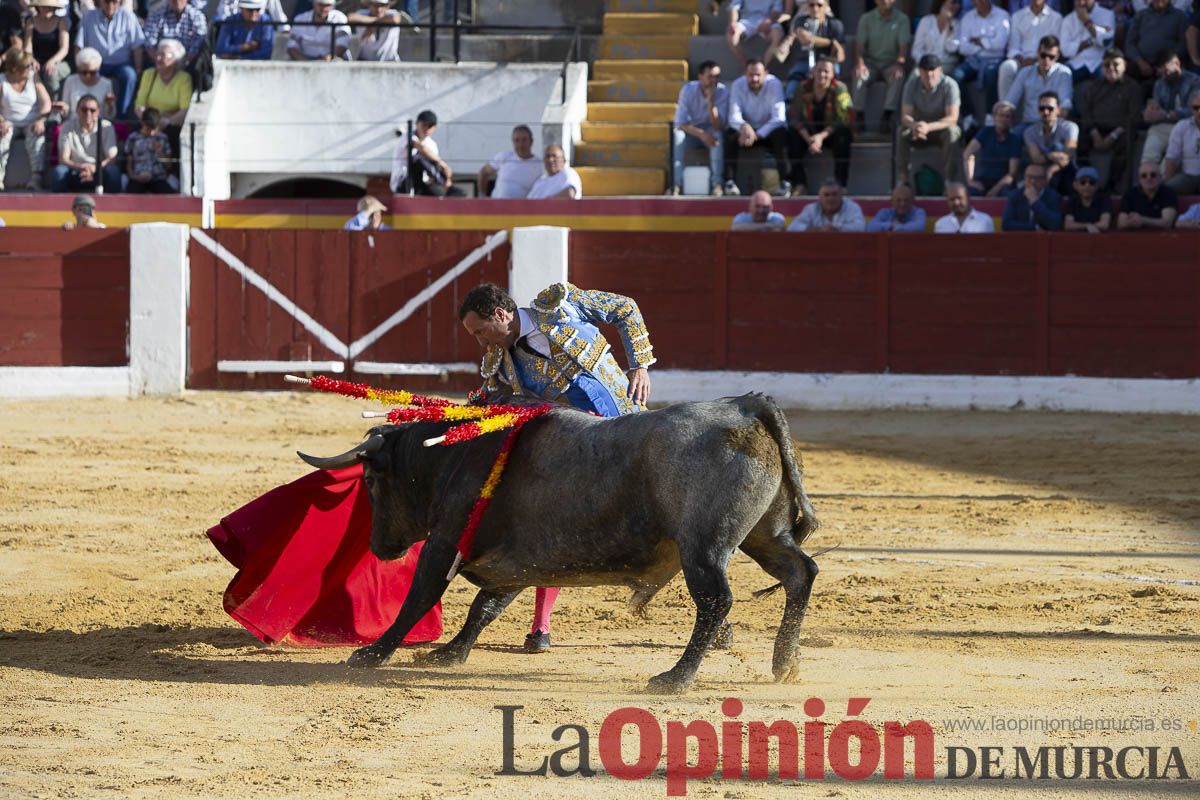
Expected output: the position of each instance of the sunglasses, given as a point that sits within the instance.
(1086, 182)
(88, 71)
(1050, 56)
(1047, 109)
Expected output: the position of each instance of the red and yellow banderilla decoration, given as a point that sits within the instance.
(474, 421)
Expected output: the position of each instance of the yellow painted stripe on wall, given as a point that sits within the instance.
(113, 219)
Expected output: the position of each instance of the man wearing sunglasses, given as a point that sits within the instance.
(117, 34)
(1183, 151)
(1109, 111)
(1088, 209)
(1047, 75)
(1052, 143)
(1148, 204)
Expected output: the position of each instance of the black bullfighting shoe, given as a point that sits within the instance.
(537, 642)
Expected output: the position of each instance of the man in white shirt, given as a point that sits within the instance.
(1029, 25)
(983, 43)
(1182, 171)
(962, 218)
(559, 180)
(1086, 33)
(312, 42)
(757, 118)
(515, 170)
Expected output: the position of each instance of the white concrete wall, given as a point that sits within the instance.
(158, 297)
(539, 259)
(341, 119)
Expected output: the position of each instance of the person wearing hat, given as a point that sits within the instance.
(1109, 111)
(247, 37)
(369, 216)
(84, 209)
(311, 42)
(272, 9)
(381, 40)
(929, 117)
(47, 37)
(1088, 209)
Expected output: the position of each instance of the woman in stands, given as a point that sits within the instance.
(937, 34)
(47, 39)
(24, 106)
(87, 80)
(166, 87)
(821, 119)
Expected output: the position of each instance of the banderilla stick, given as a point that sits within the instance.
(297, 379)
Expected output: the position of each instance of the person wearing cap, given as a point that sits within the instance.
(84, 209)
(312, 42)
(47, 37)
(929, 117)
(179, 20)
(231, 10)
(1088, 209)
(380, 41)
(432, 175)
(1109, 111)
(369, 216)
(117, 34)
(247, 37)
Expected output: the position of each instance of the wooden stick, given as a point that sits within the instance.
(374, 414)
(434, 441)
(297, 379)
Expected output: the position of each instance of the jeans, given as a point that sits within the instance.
(716, 156)
(67, 180)
(987, 70)
(124, 80)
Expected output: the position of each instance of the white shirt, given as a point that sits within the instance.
(1182, 5)
(976, 222)
(74, 89)
(928, 40)
(379, 44)
(1028, 30)
(1184, 146)
(313, 42)
(1073, 36)
(400, 160)
(551, 185)
(992, 30)
(537, 341)
(515, 176)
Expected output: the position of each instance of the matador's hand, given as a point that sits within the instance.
(639, 386)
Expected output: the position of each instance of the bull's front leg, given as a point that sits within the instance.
(428, 586)
(709, 589)
(485, 609)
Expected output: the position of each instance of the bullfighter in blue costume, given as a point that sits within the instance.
(554, 350)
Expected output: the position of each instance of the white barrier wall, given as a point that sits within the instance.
(339, 120)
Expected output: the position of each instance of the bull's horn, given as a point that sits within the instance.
(346, 459)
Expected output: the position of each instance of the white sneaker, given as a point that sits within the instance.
(731, 189)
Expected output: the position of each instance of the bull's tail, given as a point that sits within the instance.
(765, 410)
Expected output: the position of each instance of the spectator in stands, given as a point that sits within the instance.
(832, 212)
(432, 175)
(750, 18)
(938, 35)
(178, 20)
(1109, 112)
(117, 34)
(249, 36)
(228, 9)
(1053, 143)
(515, 171)
(1182, 169)
(1029, 26)
(1168, 103)
(983, 42)
(318, 42)
(1032, 82)
(881, 54)
(992, 158)
(80, 140)
(24, 105)
(929, 117)
(760, 217)
(902, 216)
(701, 116)
(1154, 28)
(381, 40)
(822, 120)
(369, 216)
(559, 180)
(48, 39)
(1088, 209)
(1188, 219)
(1148, 204)
(1086, 33)
(149, 159)
(814, 36)
(87, 80)
(166, 87)
(84, 209)
(12, 25)
(962, 218)
(1192, 38)
(1033, 206)
(757, 118)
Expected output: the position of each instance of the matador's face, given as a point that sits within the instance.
(500, 329)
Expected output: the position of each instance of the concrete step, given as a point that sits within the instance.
(624, 154)
(615, 181)
(641, 69)
(624, 46)
(660, 6)
(647, 132)
(652, 24)
(635, 91)
(631, 112)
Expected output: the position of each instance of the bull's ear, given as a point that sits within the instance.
(349, 458)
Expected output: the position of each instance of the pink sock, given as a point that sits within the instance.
(543, 607)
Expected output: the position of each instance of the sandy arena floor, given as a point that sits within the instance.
(1019, 566)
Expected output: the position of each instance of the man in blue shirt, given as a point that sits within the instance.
(700, 117)
(1033, 206)
(903, 216)
(757, 118)
(370, 211)
(760, 217)
(117, 35)
(249, 37)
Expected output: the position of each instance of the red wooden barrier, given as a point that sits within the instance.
(64, 297)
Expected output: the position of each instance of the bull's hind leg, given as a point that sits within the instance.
(484, 610)
(706, 582)
(782, 559)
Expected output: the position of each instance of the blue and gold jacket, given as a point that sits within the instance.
(568, 316)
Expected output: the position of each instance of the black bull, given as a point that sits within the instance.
(587, 501)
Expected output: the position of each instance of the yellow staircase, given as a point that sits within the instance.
(640, 67)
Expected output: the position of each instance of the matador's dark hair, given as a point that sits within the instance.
(484, 299)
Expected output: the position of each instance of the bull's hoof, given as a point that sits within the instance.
(369, 656)
(789, 673)
(668, 683)
(441, 657)
(724, 638)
